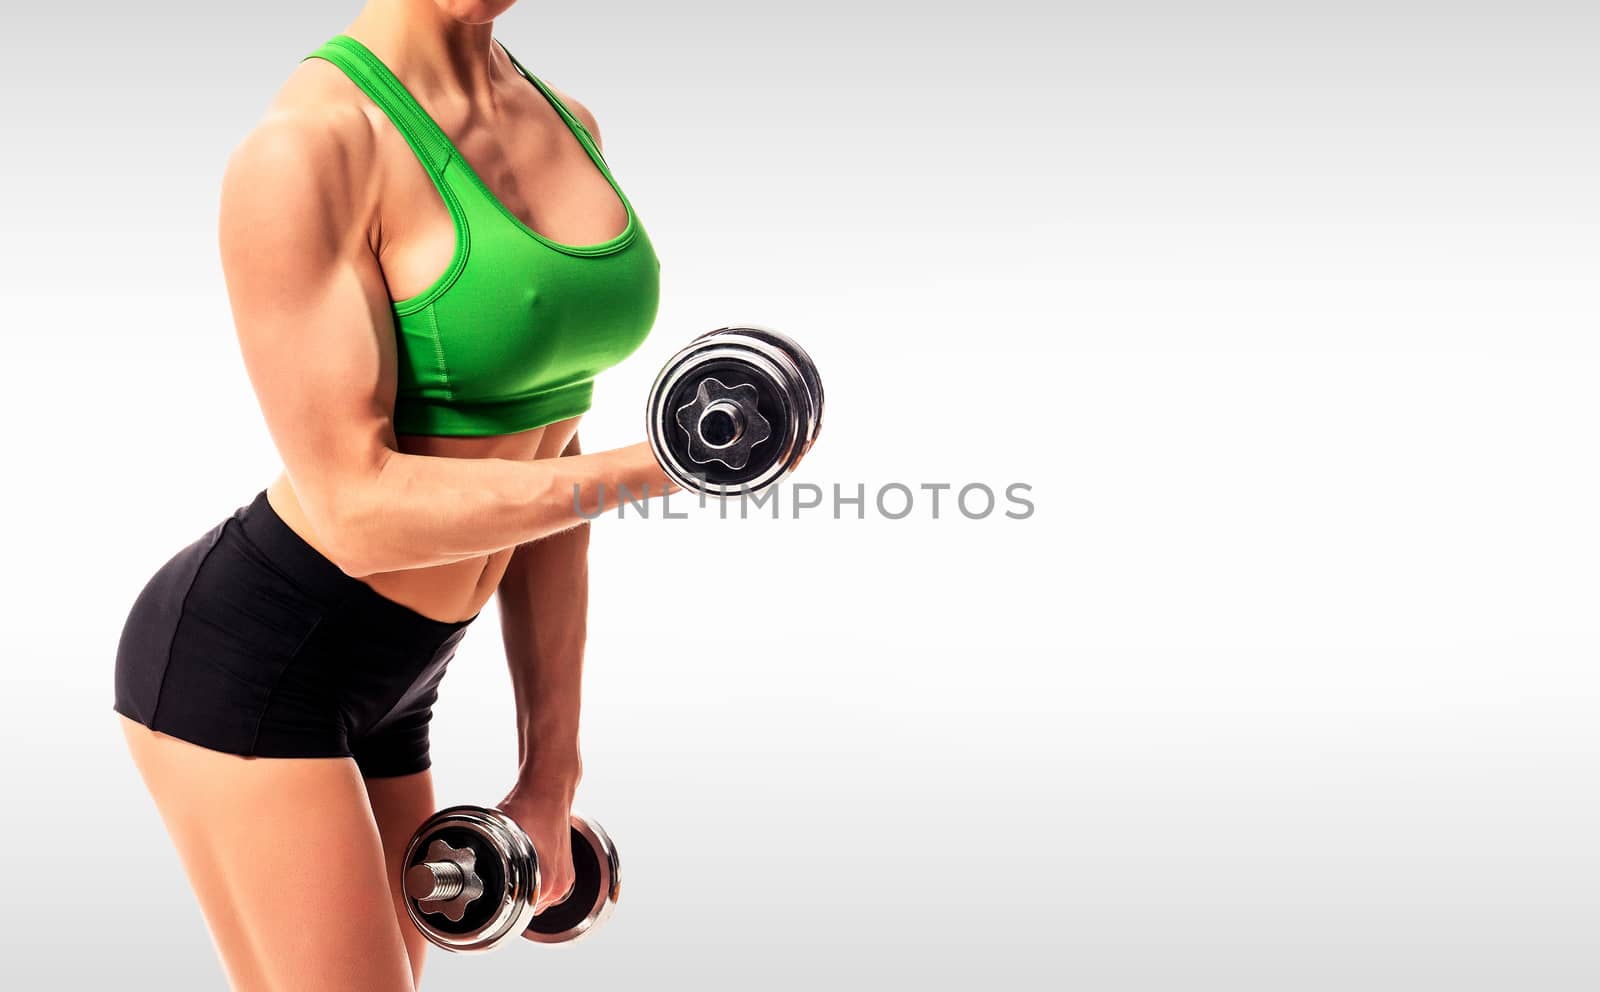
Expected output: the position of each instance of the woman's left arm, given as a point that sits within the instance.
(544, 611)
(544, 605)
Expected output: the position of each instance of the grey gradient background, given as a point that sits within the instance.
(1287, 311)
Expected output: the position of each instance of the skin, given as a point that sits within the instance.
(326, 218)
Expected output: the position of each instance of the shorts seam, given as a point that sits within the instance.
(177, 624)
(294, 656)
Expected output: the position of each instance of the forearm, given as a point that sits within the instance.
(413, 511)
(544, 602)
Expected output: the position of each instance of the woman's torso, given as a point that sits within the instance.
(533, 163)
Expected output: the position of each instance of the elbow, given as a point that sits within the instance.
(346, 535)
(354, 547)
(355, 564)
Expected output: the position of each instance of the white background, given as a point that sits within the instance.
(1288, 317)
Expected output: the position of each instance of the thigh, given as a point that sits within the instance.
(400, 803)
(287, 862)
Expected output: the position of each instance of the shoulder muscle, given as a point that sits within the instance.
(582, 113)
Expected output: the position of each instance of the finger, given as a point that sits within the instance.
(554, 890)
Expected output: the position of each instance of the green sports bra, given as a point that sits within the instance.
(512, 334)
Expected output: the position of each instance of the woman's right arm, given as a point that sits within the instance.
(313, 317)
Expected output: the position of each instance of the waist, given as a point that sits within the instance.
(427, 594)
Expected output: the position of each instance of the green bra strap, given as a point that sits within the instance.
(555, 101)
(391, 96)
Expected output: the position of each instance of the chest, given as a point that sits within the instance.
(534, 168)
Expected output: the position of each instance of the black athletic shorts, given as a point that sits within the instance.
(250, 641)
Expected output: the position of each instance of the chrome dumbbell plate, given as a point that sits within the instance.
(734, 411)
(501, 860)
(596, 885)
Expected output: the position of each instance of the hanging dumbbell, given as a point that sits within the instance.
(734, 411)
(471, 877)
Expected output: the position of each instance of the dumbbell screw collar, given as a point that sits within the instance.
(446, 883)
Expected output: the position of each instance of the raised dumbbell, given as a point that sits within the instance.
(734, 411)
(471, 876)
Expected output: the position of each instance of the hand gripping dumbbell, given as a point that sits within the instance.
(471, 876)
(734, 411)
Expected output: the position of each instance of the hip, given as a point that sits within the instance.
(250, 630)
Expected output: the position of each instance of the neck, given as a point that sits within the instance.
(427, 48)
